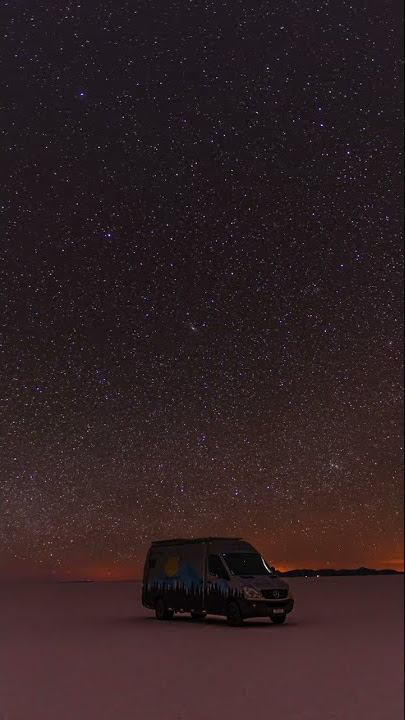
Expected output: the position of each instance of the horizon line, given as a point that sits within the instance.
(50, 579)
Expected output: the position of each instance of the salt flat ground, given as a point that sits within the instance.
(91, 652)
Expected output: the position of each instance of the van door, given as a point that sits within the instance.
(148, 581)
(217, 586)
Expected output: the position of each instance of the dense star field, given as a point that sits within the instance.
(202, 273)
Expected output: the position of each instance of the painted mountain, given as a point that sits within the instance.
(186, 576)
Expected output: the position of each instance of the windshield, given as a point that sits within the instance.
(246, 564)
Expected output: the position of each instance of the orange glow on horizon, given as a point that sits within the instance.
(135, 572)
(82, 568)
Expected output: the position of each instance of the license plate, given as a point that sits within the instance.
(278, 611)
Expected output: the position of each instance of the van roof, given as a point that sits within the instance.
(183, 541)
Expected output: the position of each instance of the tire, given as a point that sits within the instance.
(278, 619)
(161, 611)
(198, 615)
(233, 615)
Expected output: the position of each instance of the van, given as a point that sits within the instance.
(213, 576)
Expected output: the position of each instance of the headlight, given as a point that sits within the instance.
(251, 593)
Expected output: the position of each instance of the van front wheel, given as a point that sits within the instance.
(161, 611)
(233, 615)
(278, 619)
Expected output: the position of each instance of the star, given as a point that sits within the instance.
(203, 302)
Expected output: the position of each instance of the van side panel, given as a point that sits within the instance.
(175, 572)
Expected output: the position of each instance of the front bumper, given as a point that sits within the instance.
(264, 608)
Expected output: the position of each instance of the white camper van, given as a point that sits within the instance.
(213, 575)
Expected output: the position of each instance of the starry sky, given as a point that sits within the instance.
(202, 273)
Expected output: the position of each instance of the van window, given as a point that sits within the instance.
(215, 567)
(246, 564)
(152, 563)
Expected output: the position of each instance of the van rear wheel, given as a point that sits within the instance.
(233, 615)
(161, 611)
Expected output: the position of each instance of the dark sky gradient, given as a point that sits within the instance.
(202, 271)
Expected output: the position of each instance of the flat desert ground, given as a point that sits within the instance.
(92, 652)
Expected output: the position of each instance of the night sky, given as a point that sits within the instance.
(202, 273)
